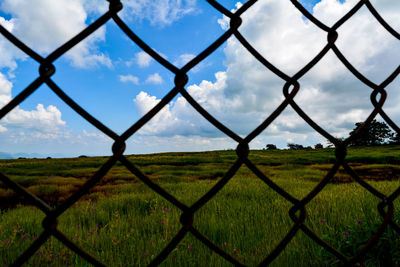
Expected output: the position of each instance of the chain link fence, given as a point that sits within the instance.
(297, 212)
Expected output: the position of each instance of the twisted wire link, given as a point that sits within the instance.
(297, 212)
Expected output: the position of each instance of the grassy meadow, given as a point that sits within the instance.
(124, 223)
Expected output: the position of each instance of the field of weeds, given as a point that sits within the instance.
(124, 223)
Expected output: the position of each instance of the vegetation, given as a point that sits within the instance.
(374, 133)
(318, 146)
(292, 146)
(122, 222)
(271, 146)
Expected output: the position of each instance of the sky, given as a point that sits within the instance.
(115, 81)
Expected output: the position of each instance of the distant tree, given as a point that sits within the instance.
(271, 146)
(292, 146)
(332, 145)
(375, 133)
(318, 146)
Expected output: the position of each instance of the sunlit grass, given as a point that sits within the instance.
(123, 222)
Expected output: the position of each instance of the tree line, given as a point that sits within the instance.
(373, 134)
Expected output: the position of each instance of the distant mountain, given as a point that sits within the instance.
(28, 155)
(5, 155)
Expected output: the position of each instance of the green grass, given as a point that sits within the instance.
(122, 222)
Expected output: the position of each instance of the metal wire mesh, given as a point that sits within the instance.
(297, 212)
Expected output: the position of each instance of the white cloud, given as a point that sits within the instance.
(95, 6)
(154, 78)
(210, 95)
(45, 24)
(86, 138)
(42, 25)
(5, 90)
(243, 94)
(179, 118)
(8, 24)
(93, 134)
(177, 143)
(183, 60)
(158, 12)
(186, 58)
(246, 93)
(129, 78)
(169, 122)
(143, 59)
(224, 21)
(8, 52)
(145, 103)
(3, 129)
(87, 55)
(41, 119)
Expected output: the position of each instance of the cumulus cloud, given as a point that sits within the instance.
(186, 58)
(183, 59)
(44, 25)
(41, 119)
(8, 52)
(129, 78)
(154, 79)
(179, 118)
(144, 103)
(5, 90)
(95, 6)
(245, 93)
(32, 23)
(143, 59)
(171, 121)
(158, 12)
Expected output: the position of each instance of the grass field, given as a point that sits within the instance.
(124, 223)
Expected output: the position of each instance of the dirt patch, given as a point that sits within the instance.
(367, 174)
(211, 177)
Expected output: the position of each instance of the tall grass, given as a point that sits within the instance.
(126, 224)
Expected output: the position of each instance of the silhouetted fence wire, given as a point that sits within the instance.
(297, 212)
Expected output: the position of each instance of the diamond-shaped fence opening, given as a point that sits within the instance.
(291, 87)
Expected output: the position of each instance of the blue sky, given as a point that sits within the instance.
(115, 81)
